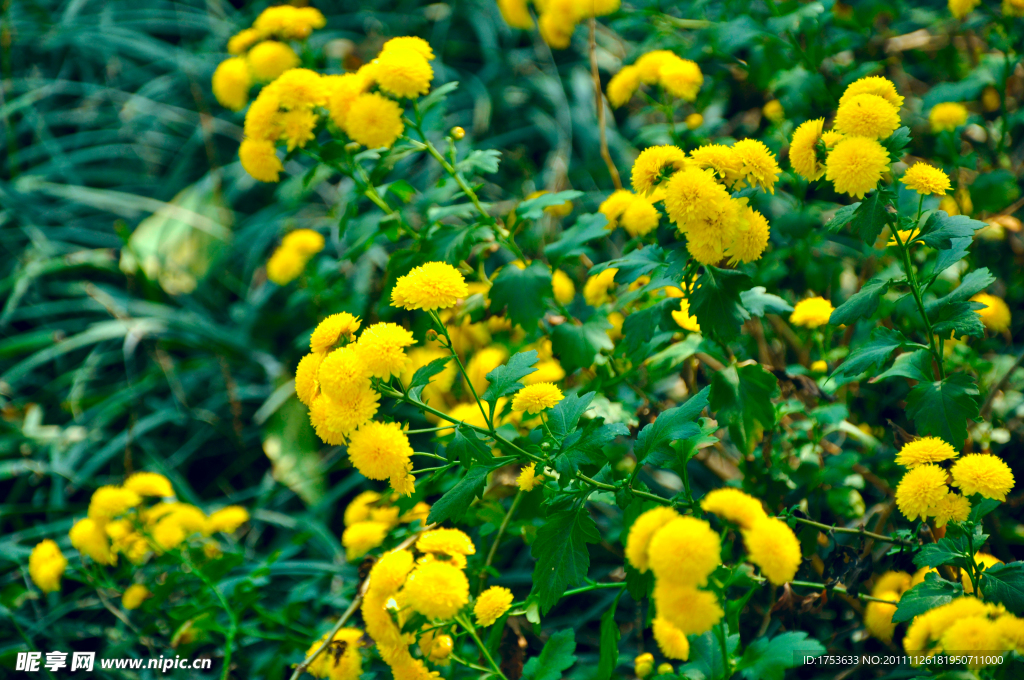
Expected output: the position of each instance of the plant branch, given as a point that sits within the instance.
(599, 105)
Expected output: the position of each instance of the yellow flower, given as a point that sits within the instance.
(803, 150)
(819, 366)
(616, 204)
(299, 88)
(335, 419)
(684, 319)
(671, 641)
(694, 121)
(434, 285)
(436, 648)
(961, 8)
(403, 71)
(876, 85)
(655, 164)
(898, 581)
(867, 115)
(947, 116)
(760, 168)
(240, 42)
(773, 546)
(595, 290)
(733, 505)
(381, 348)
(643, 665)
(344, 373)
(437, 590)
(984, 474)
(108, 502)
(231, 83)
(270, 59)
(516, 14)
(380, 450)
(341, 660)
(926, 180)
(296, 127)
(307, 242)
(563, 287)
(363, 508)
(362, 537)
(921, 490)
(46, 565)
(953, 507)
(332, 329)
(1011, 630)
(227, 519)
(925, 450)
(149, 484)
(285, 265)
(650, 64)
(557, 23)
(491, 605)
(623, 86)
(374, 121)
(976, 637)
(749, 243)
(286, 21)
(878, 615)
(641, 217)
(260, 160)
(685, 551)
(90, 538)
(548, 370)
(856, 165)
(528, 478)
(410, 42)
(666, 669)
(812, 312)
(342, 90)
(720, 159)
(446, 542)
(774, 111)
(689, 609)
(995, 314)
(643, 530)
(702, 210)
(134, 595)
(681, 78)
(536, 398)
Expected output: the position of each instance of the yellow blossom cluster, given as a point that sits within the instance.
(291, 257)
(633, 212)
(811, 312)
(851, 155)
(557, 18)
(889, 586)
(947, 116)
(680, 78)
(369, 518)
(979, 630)
(695, 191)
(342, 659)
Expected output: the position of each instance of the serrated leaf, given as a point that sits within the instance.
(587, 228)
(842, 217)
(533, 208)
(717, 304)
(959, 318)
(653, 444)
(561, 553)
(466, 448)
(937, 554)
(455, 502)
(421, 378)
(940, 229)
(609, 655)
(759, 302)
(437, 95)
(942, 408)
(639, 327)
(556, 657)
(585, 446)
(862, 304)
(741, 396)
(933, 592)
(872, 215)
(949, 256)
(566, 414)
(575, 346)
(504, 380)
(915, 365)
(479, 161)
(897, 142)
(765, 659)
(1004, 584)
(872, 354)
(521, 293)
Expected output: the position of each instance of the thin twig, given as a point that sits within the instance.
(497, 538)
(599, 105)
(851, 530)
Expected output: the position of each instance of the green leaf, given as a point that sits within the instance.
(742, 397)
(533, 208)
(504, 380)
(479, 161)
(862, 304)
(521, 292)
(706, 656)
(933, 592)
(639, 327)
(866, 218)
(942, 408)
(949, 256)
(421, 378)
(941, 229)
(717, 304)
(453, 504)
(556, 657)
(577, 345)
(586, 446)
(653, 444)
(609, 656)
(959, 318)
(467, 448)
(759, 302)
(896, 143)
(437, 95)
(561, 553)
(587, 228)
(842, 217)
(564, 416)
(972, 284)
(915, 365)
(765, 659)
(937, 554)
(872, 354)
(1004, 584)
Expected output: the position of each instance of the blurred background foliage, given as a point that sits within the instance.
(138, 330)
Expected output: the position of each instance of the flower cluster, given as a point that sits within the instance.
(369, 518)
(968, 626)
(558, 18)
(925, 490)
(890, 586)
(291, 257)
(680, 78)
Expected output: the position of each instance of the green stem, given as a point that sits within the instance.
(229, 641)
(915, 288)
(462, 369)
(723, 638)
(468, 625)
(849, 530)
(497, 538)
(841, 589)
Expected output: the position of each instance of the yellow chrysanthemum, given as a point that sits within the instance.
(876, 85)
(335, 419)
(409, 42)
(655, 164)
(878, 615)
(681, 78)
(855, 165)
(536, 398)
(403, 71)
(643, 530)
(516, 14)
(260, 160)
(623, 86)
(528, 478)
(650, 64)
(947, 116)
(759, 166)
(694, 121)
(684, 319)
(926, 180)
(812, 312)
(897, 581)
(108, 502)
(134, 595)
(720, 159)
(691, 610)
(595, 290)
(286, 21)
(803, 150)
(362, 537)
(434, 285)
(342, 90)
(437, 590)
(46, 565)
(341, 660)
(557, 24)
(374, 121)
(436, 648)
(773, 546)
(819, 366)
(446, 542)
(774, 111)
(240, 42)
(343, 373)
(640, 217)
(702, 209)
(1011, 630)
(380, 450)
(995, 314)
(90, 538)
(307, 242)
(733, 505)
(332, 329)
(149, 484)
(296, 127)
(643, 665)
(984, 474)
(867, 115)
(227, 519)
(952, 508)
(231, 83)
(285, 265)
(382, 349)
(547, 371)
(671, 641)
(921, 490)
(365, 508)
(269, 59)
(491, 605)
(976, 637)
(749, 244)
(925, 450)
(562, 286)
(685, 551)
